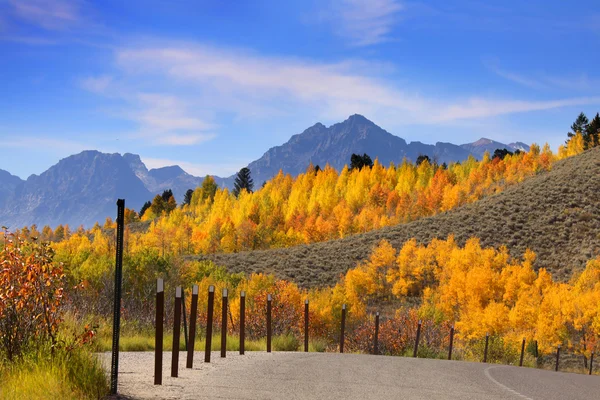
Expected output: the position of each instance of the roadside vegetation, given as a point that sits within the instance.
(41, 356)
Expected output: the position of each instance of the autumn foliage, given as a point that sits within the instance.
(31, 294)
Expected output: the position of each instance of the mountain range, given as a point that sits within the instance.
(82, 189)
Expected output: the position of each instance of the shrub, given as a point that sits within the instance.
(31, 295)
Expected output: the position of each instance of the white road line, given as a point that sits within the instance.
(487, 374)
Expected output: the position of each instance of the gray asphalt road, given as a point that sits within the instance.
(344, 376)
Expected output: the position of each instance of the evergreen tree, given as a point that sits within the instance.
(592, 133)
(359, 162)
(243, 181)
(59, 233)
(171, 204)
(422, 158)
(187, 198)
(166, 195)
(158, 205)
(501, 153)
(144, 208)
(580, 125)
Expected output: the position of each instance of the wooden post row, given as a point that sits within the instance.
(193, 318)
(209, 323)
(158, 338)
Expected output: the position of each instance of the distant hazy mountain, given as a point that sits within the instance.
(335, 144)
(8, 184)
(83, 188)
(479, 147)
(159, 179)
(80, 189)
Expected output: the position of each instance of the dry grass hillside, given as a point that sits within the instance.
(556, 214)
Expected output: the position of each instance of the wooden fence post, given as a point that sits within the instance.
(451, 342)
(417, 339)
(306, 325)
(487, 339)
(209, 323)
(193, 318)
(522, 353)
(224, 325)
(176, 333)
(269, 300)
(557, 357)
(183, 313)
(242, 322)
(158, 339)
(376, 338)
(343, 328)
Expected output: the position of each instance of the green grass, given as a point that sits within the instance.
(145, 342)
(67, 375)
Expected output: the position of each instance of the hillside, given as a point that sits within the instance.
(556, 214)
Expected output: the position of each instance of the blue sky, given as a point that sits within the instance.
(211, 85)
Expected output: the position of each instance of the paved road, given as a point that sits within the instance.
(344, 376)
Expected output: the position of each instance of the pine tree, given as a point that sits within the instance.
(422, 158)
(166, 195)
(187, 198)
(592, 132)
(580, 125)
(144, 208)
(358, 161)
(243, 181)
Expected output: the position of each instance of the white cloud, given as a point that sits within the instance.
(183, 140)
(364, 22)
(514, 77)
(50, 15)
(582, 82)
(27, 142)
(222, 169)
(162, 119)
(97, 84)
(482, 108)
(233, 80)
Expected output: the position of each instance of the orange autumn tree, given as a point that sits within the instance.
(31, 295)
(484, 290)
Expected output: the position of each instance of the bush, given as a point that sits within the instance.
(31, 295)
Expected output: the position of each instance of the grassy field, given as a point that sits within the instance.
(556, 214)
